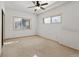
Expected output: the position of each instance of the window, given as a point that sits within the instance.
(21, 23)
(56, 19)
(47, 20)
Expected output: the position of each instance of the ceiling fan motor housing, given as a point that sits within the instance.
(37, 3)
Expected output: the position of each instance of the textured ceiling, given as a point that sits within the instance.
(23, 5)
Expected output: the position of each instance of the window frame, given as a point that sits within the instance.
(44, 20)
(51, 20)
(21, 29)
(56, 22)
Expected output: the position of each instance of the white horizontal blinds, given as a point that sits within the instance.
(47, 20)
(56, 19)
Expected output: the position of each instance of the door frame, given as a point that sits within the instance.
(2, 41)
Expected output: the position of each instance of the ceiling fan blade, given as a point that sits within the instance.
(42, 8)
(33, 2)
(44, 4)
(32, 7)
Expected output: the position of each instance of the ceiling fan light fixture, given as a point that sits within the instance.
(37, 8)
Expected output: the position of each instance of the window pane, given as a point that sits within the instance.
(47, 20)
(21, 23)
(56, 19)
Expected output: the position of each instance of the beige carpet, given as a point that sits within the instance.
(36, 46)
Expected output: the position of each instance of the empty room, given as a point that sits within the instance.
(39, 28)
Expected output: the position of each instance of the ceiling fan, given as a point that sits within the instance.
(38, 5)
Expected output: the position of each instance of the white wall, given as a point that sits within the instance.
(67, 32)
(9, 30)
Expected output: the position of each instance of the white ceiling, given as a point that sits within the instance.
(23, 5)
